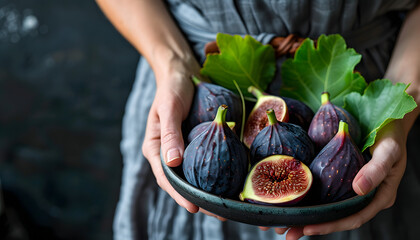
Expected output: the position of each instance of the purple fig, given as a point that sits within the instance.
(277, 180)
(257, 119)
(325, 123)
(299, 113)
(281, 138)
(208, 97)
(204, 126)
(335, 167)
(216, 161)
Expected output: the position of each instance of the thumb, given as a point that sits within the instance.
(171, 136)
(385, 155)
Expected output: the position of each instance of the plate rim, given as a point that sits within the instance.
(357, 202)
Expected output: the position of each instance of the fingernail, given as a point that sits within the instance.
(311, 233)
(364, 185)
(172, 155)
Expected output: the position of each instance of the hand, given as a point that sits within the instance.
(171, 105)
(384, 171)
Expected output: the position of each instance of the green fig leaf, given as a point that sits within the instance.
(244, 60)
(380, 103)
(327, 68)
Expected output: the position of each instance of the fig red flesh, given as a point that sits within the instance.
(257, 119)
(277, 180)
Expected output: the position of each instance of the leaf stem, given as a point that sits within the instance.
(195, 80)
(241, 135)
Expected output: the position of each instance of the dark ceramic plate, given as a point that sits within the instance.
(264, 215)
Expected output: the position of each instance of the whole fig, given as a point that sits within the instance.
(299, 113)
(325, 123)
(204, 126)
(257, 119)
(207, 98)
(216, 161)
(282, 138)
(277, 180)
(335, 167)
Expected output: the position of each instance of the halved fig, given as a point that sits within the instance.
(335, 167)
(216, 160)
(282, 138)
(325, 123)
(277, 180)
(257, 119)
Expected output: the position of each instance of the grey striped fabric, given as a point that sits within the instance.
(146, 212)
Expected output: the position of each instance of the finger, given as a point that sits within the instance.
(165, 185)
(384, 197)
(212, 215)
(385, 155)
(264, 228)
(171, 134)
(279, 230)
(151, 150)
(294, 233)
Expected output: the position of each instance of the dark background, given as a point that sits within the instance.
(65, 75)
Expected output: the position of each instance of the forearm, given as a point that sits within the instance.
(148, 26)
(405, 62)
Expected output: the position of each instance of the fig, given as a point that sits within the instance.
(325, 123)
(257, 119)
(283, 139)
(203, 127)
(207, 98)
(277, 180)
(216, 161)
(299, 113)
(335, 167)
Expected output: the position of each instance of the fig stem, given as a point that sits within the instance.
(221, 114)
(255, 91)
(325, 98)
(231, 125)
(343, 127)
(271, 117)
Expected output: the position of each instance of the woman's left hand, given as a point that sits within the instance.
(384, 170)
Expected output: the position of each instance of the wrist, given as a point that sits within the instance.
(169, 63)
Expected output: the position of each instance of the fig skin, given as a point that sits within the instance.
(216, 161)
(277, 180)
(197, 130)
(335, 168)
(325, 123)
(207, 98)
(280, 138)
(299, 113)
(257, 119)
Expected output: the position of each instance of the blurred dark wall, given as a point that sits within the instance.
(65, 74)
